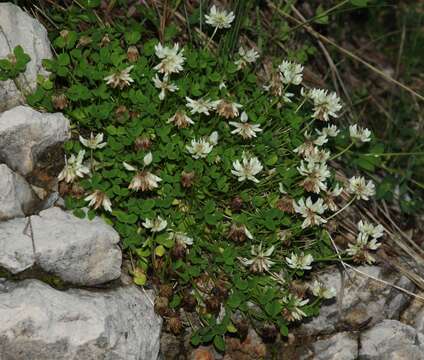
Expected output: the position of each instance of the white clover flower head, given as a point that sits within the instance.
(311, 211)
(94, 142)
(359, 134)
(316, 175)
(247, 168)
(181, 238)
(74, 168)
(164, 85)
(181, 120)
(291, 72)
(321, 291)
(360, 188)
(328, 131)
(201, 106)
(156, 225)
(293, 311)
(220, 19)
(120, 79)
(325, 104)
(99, 198)
(144, 181)
(374, 231)
(300, 262)
(228, 109)
(361, 250)
(246, 57)
(329, 197)
(222, 85)
(260, 261)
(200, 148)
(245, 129)
(172, 59)
(317, 155)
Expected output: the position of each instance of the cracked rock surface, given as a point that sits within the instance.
(78, 251)
(39, 322)
(18, 28)
(364, 301)
(16, 196)
(25, 134)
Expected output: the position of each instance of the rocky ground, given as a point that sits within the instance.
(62, 294)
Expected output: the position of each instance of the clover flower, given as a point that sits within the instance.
(99, 198)
(246, 57)
(247, 169)
(245, 129)
(291, 73)
(164, 86)
(309, 144)
(227, 109)
(181, 120)
(172, 59)
(239, 233)
(317, 155)
(220, 19)
(374, 231)
(261, 259)
(293, 311)
(156, 225)
(74, 168)
(300, 262)
(120, 78)
(326, 132)
(94, 142)
(200, 148)
(181, 238)
(325, 104)
(361, 249)
(316, 176)
(321, 291)
(359, 134)
(330, 196)
(201, 106)
(311, 211)
(143, 180)
(360, 188)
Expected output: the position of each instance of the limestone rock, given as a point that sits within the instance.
(79, 251)
(364, 301)
(16, 249)
(341, 346)
(16, 197)
(25, 134)
(39, 322)
(391, 340)
(18, 28)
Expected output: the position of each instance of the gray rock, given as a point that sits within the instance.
(79, 251)
(18, 28)
(364, 300)
(341, 346)
(16, 249)
(16, 196)
(391, 340)
(39, 322)
(25, 134)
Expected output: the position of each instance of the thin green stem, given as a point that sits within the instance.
(343, 151)
(213, 34)
(342, 209)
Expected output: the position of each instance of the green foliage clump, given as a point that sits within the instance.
(213, 173)
(14, 64)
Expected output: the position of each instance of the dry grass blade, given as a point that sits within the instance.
(345, 51)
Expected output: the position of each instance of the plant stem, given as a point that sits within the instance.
(343, 151)
(342, 209)
(213, 34)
